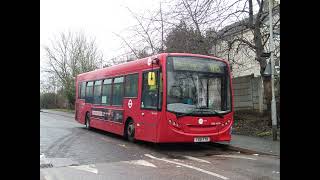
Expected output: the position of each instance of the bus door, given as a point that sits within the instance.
(150, 103)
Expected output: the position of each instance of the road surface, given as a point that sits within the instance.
(69, 151)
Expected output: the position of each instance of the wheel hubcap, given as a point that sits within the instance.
(87, 121)
(130, 129)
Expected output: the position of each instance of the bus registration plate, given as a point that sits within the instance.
(201, 139)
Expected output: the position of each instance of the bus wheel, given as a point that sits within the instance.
(130, 131)
(87, 121)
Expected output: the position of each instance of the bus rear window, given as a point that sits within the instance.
(83, 90)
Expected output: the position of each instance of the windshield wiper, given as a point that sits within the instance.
(178, 114)
(201, 110)
(210, 110)
(202, 107)
(193, 112)
(217, 113)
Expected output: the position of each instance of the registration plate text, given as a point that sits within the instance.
(201, 139)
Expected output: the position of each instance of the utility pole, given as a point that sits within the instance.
(273, 101)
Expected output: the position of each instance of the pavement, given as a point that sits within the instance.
(256, 144)
(238, 142)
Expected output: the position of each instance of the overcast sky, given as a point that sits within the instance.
(96, 18)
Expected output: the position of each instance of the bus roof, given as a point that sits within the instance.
(132, 67)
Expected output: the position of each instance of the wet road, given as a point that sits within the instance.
(69, 151)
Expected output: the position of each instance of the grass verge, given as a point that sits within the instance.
(64, 110)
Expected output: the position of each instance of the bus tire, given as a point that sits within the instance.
(87, 120)
(130, 130)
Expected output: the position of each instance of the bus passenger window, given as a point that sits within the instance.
(106, 92)
(131, 87)
(79, 90)
(89, 92)
(97, 92)
(117, 91)
(160, 91)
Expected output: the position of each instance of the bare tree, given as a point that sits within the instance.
(243, 15)
(147, 36)
(186, 39)
(69, 55)
(256, 24)
(208, 19)
(144, 31)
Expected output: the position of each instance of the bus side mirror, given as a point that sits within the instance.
(151, 78)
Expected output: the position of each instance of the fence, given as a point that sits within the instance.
(248, 93)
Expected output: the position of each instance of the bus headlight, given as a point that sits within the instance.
(175, 124)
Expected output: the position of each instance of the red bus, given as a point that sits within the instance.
(169, 97)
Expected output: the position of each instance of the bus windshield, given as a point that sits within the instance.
(197, 86)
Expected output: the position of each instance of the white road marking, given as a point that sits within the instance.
(141, 162)
(277, 172)
(89, 168)
(178, 160)
(255, 154)
(42, 156)
(122, 145)
(235, 156)
(46, 175)
(44, 160)
(188, 166)
(197, 159)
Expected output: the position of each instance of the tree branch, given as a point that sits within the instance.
(145, 31)
(245, 42)
(259, 3)
(132, 50)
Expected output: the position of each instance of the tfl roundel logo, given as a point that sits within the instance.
(200, 121)
(130, 103)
